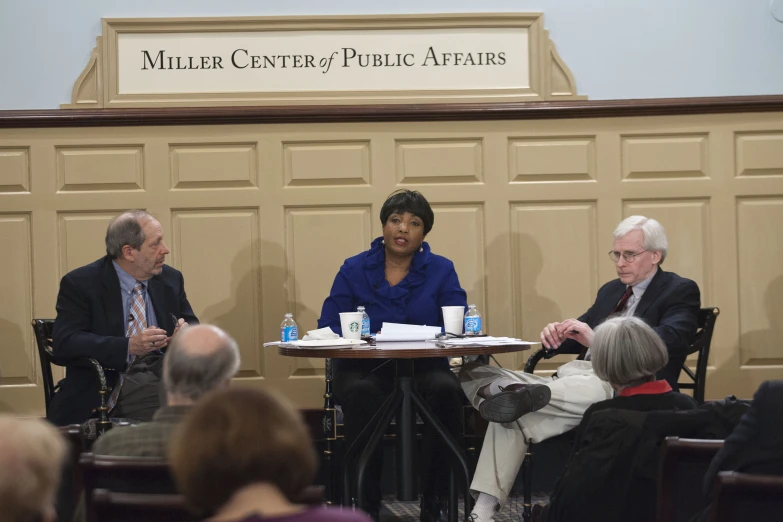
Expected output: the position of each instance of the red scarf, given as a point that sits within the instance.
(648, 388)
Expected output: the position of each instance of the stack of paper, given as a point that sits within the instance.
(488, 341)
(406, 332)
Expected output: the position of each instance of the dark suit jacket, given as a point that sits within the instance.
(90, 323)
(670, 305)
(756, 444)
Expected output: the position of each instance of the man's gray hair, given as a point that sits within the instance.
(191, 375)
(653, 232)
(626, 352)
(125, 229)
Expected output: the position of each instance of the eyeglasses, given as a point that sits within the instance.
(629, 257)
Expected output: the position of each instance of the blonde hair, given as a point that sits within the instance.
(626, 352)
(31, 456)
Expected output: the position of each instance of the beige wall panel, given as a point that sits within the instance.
(558, 158)
(759, 154)
(217, 252)
(458, 234)
(326, 163)
(760, 281)
(81, 238)
(554, 255)
(525, 209)
(665, 156)
(99, 168)
(439, 161)
(214, 165)
(18, 359)
(14, 170)
(318, 240)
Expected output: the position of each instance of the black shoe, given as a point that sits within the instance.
(515, 401)
(430, 509)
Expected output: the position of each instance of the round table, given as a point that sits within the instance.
(403, 403)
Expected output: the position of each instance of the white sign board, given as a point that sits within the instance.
(326, 60)
(312, 61)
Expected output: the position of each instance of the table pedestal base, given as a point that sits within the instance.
(404, 403)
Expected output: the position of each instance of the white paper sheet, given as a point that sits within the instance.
(406, 332)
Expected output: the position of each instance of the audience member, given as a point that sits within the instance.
(756, 443)
(31, 456)
(200, 359)
(523, 407)
(122, 310)
(243, 455)
(627, 354)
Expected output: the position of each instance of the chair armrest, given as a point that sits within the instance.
(543, 353)
(89, 362)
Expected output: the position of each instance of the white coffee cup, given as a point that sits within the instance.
(351, 323)
(453, 317)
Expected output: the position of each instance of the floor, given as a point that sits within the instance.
(398, 511)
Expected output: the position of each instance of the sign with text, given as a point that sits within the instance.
(323, 60)
(312, 61)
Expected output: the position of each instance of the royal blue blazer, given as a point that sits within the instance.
(431, 283)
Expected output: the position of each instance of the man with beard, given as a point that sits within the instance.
(121, 310)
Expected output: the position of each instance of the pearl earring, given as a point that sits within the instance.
(383, 241)
(421, 249)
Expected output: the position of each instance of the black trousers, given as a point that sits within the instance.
(360, 389)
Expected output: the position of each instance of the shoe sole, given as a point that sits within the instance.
(511, 405)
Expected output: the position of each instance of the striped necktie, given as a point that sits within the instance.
(137, 322)
(623, 300)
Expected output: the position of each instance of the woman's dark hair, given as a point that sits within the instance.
(402, 201)
(234, 437)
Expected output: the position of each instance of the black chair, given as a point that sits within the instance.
(71, 486)
(132, 507)
(741, 497)
(683, 465)
(147, 475)
(43, 339)
(699, 344)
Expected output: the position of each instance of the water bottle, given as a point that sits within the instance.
(472, 321)
(288, 329)
(365, 321)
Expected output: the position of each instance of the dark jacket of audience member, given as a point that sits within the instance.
(756, 444)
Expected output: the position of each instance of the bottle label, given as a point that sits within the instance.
(472, 325)
(289, 333)
(365, 327)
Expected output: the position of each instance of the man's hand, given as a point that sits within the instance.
(180, 324)
(551, 337)
(576, 330)
(147, 341)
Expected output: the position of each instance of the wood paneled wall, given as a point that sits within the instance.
(260, 217)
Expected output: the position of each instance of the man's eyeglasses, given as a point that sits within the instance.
(629, 257)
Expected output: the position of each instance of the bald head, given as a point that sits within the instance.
(31, 454)
(200, 358)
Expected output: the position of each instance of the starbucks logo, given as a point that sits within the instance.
(354, 326)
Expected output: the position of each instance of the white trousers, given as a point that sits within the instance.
(573, 391)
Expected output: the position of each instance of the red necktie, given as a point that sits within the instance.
(623, 300)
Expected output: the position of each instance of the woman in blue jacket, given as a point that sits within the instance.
(398, 280)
